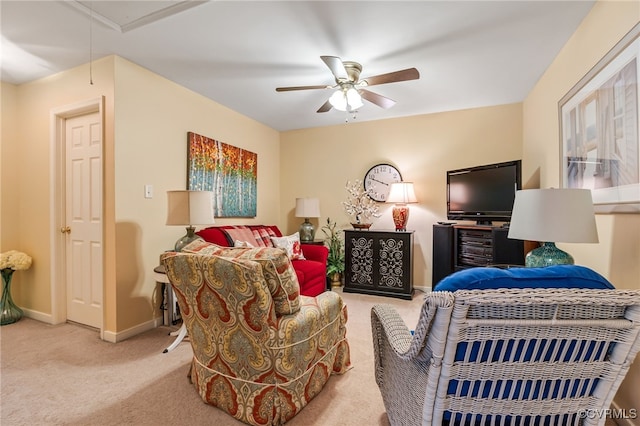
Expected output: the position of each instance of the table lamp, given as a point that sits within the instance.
(189, 208)
(307, 207)
(551, 216)
(401, 193)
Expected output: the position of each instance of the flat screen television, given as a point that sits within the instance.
(483, 193)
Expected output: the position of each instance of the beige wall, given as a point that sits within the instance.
(318, 162)
(617, 256)
(618, 253)
(26, 187)
(10, 154)
(153, 116)
(147, 146)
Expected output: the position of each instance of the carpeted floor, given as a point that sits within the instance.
(65, 375)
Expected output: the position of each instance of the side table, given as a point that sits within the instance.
(170, 314)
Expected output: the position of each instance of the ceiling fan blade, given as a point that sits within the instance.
(392, 77)
(336, 66)
(288, 89)
(325, 107)
(374, 98)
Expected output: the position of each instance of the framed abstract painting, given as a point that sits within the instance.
(230, 172)
(599, 122)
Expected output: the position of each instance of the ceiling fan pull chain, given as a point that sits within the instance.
(91, 43)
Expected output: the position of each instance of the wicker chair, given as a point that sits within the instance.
(506, 356)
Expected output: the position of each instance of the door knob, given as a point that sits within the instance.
(65, 230)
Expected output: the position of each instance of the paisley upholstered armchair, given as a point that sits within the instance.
(261, 351)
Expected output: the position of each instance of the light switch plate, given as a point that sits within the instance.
(148, 191)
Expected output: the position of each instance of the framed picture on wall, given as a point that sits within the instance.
(599, 121)
(230, 172)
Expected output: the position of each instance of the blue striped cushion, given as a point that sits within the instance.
(560, 276)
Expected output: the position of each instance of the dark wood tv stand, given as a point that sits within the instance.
(457, 247)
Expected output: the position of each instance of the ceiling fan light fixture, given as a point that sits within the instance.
(338, 100)
(350, 90)
(354, 100)
(346, 100)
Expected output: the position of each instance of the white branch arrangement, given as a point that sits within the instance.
(359, 205)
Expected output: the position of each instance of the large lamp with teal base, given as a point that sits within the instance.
(553, 216)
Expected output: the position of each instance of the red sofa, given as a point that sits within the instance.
(311, 272)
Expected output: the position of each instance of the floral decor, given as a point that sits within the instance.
(10, 262)
(359, 205)
(14, 260)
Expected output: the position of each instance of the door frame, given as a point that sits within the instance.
(57, 195)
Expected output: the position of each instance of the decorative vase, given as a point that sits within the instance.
(361, 225)
(400, 214)
(9, 312)
(547, 255)
(336, 279)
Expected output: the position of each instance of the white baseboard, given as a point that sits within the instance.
(115, 337)
(423, 289)
(108, 336)
(39, 316)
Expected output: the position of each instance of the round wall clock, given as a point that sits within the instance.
(379, 179)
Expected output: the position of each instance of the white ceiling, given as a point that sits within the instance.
(469, 53)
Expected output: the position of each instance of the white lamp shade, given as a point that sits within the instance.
(402, 193)
(307, 207)
(554, 215)
(190, 208)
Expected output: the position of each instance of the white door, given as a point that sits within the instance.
(83, 212)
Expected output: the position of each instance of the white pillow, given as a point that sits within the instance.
(291, 244)
(247, 244)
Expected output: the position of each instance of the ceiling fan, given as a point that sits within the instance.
(350, 89)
